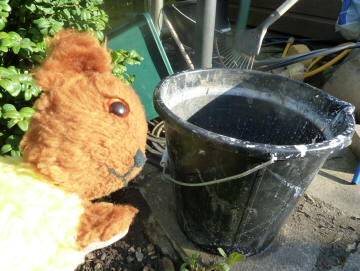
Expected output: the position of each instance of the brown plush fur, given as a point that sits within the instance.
(100, 222)
(73, 139)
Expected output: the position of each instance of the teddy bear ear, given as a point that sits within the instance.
(71, 52)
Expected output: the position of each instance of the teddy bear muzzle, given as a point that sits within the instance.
(139, 161)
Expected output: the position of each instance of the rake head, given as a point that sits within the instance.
(247, 43)
(229, 57)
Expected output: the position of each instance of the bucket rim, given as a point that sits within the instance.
(281, 152)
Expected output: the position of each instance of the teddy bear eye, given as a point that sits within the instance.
(118, 107)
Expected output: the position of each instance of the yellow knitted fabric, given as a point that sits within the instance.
(38, 222)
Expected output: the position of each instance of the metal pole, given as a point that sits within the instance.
(178, 42)
(204, 33)
(156, 8)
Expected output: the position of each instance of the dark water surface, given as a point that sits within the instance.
(252, 120)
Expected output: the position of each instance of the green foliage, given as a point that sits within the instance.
(122, 57)
(194, 263)
(24, 24)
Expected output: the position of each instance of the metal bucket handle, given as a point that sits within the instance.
(163, 164)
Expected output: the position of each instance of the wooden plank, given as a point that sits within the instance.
(318, 8)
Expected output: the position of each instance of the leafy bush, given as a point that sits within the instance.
(23, 26)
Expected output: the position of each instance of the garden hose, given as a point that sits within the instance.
(312, 64)
(316, 60)
(290, 42)
(270, 64)
(328, 64)
(156, 142)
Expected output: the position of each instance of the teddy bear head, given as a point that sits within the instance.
(88, 132)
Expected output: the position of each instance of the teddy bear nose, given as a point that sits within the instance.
(139, 159)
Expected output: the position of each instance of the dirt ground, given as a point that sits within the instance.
(135, 251)
(337, 232)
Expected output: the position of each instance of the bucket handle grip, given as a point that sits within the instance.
(164, 159)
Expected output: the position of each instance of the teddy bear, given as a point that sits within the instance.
(86, 140)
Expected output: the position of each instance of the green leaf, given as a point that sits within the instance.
(51, 32)
(43, 24)
(6, 72)
(31, 7)
(26, 43)
(24, 78)
(222, 267)
(48, 11)
(118, 69)
(100, 35)
(183, 267)
(12, 69)
(11, 86)
(14, 141)
(26, 112)
(15, 153)
(5, 7)
(7, 42)
(131, 61)
(6, 148)
(36, 58)
(56, 26)
(130, 79)
(35, 34)
(4, 14)
(8, 107)
(3, 35)
(222, 252)
(16, 49)
(12, 114)
(23, 125)
(134, 54)
(14, 37)
(27, 94)
(67, 13)
(235, 257)
(44, 31)
(85, 15)
(2, 23)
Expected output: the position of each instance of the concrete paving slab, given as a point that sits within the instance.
(315, 236)
(353, 262)
(333, 183)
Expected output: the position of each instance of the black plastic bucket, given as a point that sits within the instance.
(222, 122)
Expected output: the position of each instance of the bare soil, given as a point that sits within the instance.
(135, 251)
(337, 232)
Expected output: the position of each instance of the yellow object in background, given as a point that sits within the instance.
(300, 49)
(288, 44)
(328, 64)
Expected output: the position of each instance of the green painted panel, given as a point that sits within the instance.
(140, 35)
